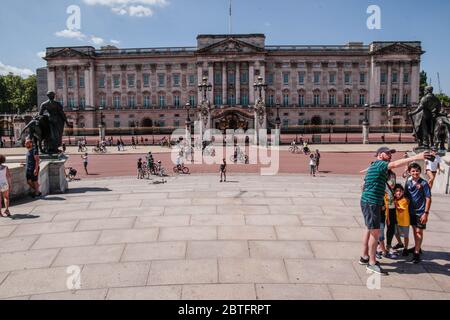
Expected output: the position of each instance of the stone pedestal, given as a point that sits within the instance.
(365, 133)
(57, 182)
(441, 183)
(101, 132)
(19, 125)
(260, 121)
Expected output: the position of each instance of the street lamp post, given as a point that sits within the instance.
(366, 125)
(204, 87)
(259, 85)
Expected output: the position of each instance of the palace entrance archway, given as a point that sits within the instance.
(233, 119)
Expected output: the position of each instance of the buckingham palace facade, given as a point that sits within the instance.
(311, 85)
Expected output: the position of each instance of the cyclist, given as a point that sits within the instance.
(305, 147)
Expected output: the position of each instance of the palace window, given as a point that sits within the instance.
(231, 99)
(332, 78)
(72, 102)
(362, 99)
(285, 123)
(382, 99)
(83, 102)
(301, 78)
(70, 82)
(332, 99)
(191, 80)
(347, 99)
(271, 100)
(244, 100)
(316, 77)
(317, 99)
(383, 78)
(101, 82)
(131, 81)
(405, 98)
(61, 100)
(176, 100)
(218, 77)
(244, 77)
(176, 80)
(60, 83)
(116, 123)
(348, 78)
(192, 101)
(131, 102)
(116, 80)
(270, 79)
(218, 99)
(286, 78)
(176, 123)
(146, 101)
(162, 101)
(231, 78)
(406, 77)
(394, 77)
(394, 99)
(301, 100)
(161, 80)
(117, 102)
(146, 80)
(81, 82)
(286, 100)
(102, 101)
(362, 78)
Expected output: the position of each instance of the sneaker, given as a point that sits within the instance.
(374, 268)
(398, 246)
(416, 258)
(390, 255)
(364, 261)
(411, 250)
(405, 253)
(379, 255)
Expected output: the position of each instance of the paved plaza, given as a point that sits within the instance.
(254, 237)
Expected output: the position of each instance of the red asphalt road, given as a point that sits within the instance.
(125, 165)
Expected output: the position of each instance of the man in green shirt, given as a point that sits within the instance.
(372, 200)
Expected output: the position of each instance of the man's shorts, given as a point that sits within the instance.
(372, 215)
(403, 231)
(415, 221)
(31, 177)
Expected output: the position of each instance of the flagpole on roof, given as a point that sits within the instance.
(231, 21)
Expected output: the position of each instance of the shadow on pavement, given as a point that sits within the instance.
(87, 189)
(23, 216)
(427, 265)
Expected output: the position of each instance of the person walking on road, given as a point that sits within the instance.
(85, 162)
(5, 186)
(223, 171)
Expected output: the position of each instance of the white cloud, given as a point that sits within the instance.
(5, 70)
(116, 42)
(41, 54)
(97, 41)
(71, 34)
(134, 8)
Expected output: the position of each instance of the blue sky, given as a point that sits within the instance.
(28, 27)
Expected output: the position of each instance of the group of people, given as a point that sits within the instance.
(314, 162)
(390, 208)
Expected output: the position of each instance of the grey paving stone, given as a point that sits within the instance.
(155, 251)
(145, 293)
(440, 274)
(183, 272)
(137, 212)
(317, 271)
(105, 224)
(252, 271)
(243, 209)
(305, 233)
(329, 221)
(191, 194)
(21, 260)
(55, 208)
(288, 194)
(336, 250)
(188, 233)
(114, 204)
(5, 231)
(416, 294)
(130, 274)
(143, 196)
(342, 211)
(318, 201)
(128, 236)
(192, 210)
(97, 294)
(292, 292)
(246, 233)
(216, 201)
(89, 255)
(162, 221)
(47, 227)
(218, 220)
(280, 249)
(71, 239)
(272, 220)
(166, 202)
(349, 234)
(219, 292)
(267, 201)
(82, 214)
(346, 292)
(296, 209)
(36, 281)
(17, 243)
(217, 249)
(436, 239)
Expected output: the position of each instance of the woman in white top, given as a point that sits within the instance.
(5, 186)
(432, 167)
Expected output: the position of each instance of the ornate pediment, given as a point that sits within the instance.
(67, 53)
(230, 46)
(398, 48)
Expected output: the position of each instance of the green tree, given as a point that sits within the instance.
(423, 83)
(17, 93)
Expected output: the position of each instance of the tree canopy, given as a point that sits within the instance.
(17, 93)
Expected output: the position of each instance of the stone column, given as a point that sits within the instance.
(51, 80)
(389, 84)
(251, 81)
(92, 84)
(211, 79)
(76, 80)
(108, 86)
(401, 84)
(365, 132)
(66, 86)
(375, 74)
(87, 86)
(415, 82)
(138, 85)
(224, 83)
(199, 80)
(238, 83)
(262, 73)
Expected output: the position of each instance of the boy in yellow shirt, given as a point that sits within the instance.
(403, 222)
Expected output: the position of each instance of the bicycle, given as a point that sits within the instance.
(99, 150)
(82, 148)
(241, 157)
(181, 169)
(294, 149)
